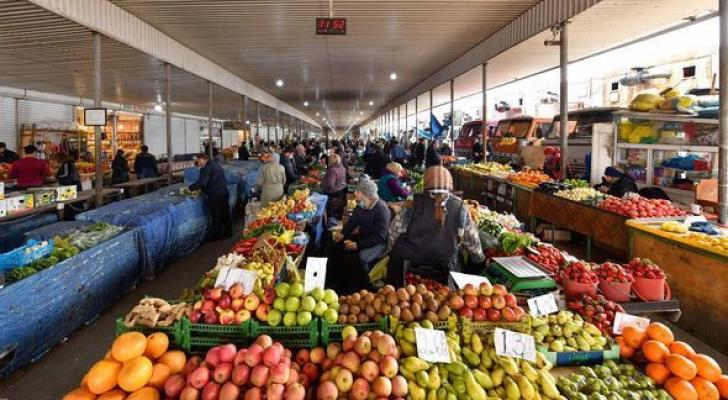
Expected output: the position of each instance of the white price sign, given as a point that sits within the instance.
(621, 320)
(514, 344)
(230, 276)
(432, 345)
(461, 279)
(315, 273)
(543, 305)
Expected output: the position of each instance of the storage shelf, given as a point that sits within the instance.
(666, 116)
(673, 147)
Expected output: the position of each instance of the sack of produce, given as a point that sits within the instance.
(624, 130)
(646, 102)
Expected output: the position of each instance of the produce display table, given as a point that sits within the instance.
(39, 311)
(172, 225)
(696, 274)
(133, 187)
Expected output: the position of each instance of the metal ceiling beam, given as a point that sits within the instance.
(112, 21)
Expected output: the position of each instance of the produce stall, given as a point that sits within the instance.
(50, 301)
(696, 265)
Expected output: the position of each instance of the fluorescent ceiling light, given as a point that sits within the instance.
(158, 107)
(305, 104)
(371, 103)
(393, 76)
(279, 82)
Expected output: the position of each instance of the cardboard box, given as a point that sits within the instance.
(3, 208)
(66, 193)
(19, 203)
(44, 197)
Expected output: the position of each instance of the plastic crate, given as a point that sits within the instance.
(483, 328)
(200, 337)
(332, 332)
(173, 331)
(289, 336)
(570, 358)
(19, 258)
(452, 323)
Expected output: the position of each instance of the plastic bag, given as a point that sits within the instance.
(646, 102)
(379, 271)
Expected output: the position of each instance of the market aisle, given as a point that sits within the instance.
(63, 367)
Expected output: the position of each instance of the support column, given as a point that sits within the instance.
(452, 109)
(209, 120)
(244, 119)
(432, 112)
(484, 109)
(723, 117)
(564, 94)
(267, 124)
(168, 115)
(99, 180)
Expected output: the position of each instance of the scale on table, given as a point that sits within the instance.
(520, 275)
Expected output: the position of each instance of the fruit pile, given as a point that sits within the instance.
(230, 260)
(716, 242)
(548, 257)
(136, 367)
(486, 303)
(674, 226)
(227, 307)
(673, 364)
(610, 272)
(580, 272)
(266, 275)
(566, 331)
(490, 168)
(410, 303)
(431, 284)
(610, 381)
(579, 194)
(640, 207)
(530, 178)
(596, 310)
(294, 307)
(263, 370)
(576, 183)
(644, 268)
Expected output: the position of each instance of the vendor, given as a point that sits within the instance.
(145, 164)
(334, 186)
(364, 235)
(271, 178)
(7, 156)
(119, 168)
(68, 174)
(616, 183)
(430, 231)
(289, 168)
(212, 182)
(29, 170)
(390, 185)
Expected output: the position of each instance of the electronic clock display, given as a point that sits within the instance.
(331, 26)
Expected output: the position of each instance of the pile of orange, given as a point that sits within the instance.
(683, 373)
(529, 178)
(135, 368)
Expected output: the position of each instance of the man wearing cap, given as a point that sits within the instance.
(365, 234)
(616, 183)
(430, 230)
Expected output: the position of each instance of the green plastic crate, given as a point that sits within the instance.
(332, 332)
(173, 331)
(200, 337)
(289, 336)
(483, 328)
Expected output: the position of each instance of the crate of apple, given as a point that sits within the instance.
(486, 303)
(549, 258)
(597, 310)
(231, 307)
(293, 307)
(263, 370)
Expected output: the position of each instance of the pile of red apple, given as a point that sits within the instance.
(548, 257)
(640, 207)
(362, 367)
(580, 272)
(610, 272)
(262, 371)
(644, 268)
(486, 303)
(228, 307)
(597, 310)
(431, 284)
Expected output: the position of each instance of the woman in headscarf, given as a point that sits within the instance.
(430, 230)
(271, 178)
(334, 186)
(390, 186)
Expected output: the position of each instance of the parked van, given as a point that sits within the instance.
(513, 134)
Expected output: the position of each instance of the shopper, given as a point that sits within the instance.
(334, 186)
(271, 178)
(445, 150)
(377, 162)
(119, 168)
(7, 156)
(286, 160)
(399, 155)
(145, 164)
(243, 153)
(433, 158)
(68, 174)
(363, 236)
(477, 151)
(213, 184)
(29, 170)
(390, 185)
(419, 153)
(299, 160)
(616, 183)
(429, 232)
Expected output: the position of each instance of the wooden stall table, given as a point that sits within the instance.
(697, 274)
(133, 187)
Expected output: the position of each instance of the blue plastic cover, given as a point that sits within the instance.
(12, 233)
(59, 228)
(39, 311)
(317, 222)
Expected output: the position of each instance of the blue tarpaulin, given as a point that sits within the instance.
(317, 223)
(236, 174)
(12, 232)
(39, 311)
(59, 228)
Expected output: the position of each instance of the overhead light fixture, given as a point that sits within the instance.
(247, 122)
(279, 82)
(361, 112)
(158, 107)
(305, 104)
(371, 103)
(324, 118)
(317, 114)
(393, 76)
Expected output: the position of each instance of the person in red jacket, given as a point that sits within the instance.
(29, 170)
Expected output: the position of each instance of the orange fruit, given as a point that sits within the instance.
(116, 394)
(634, 337)
(680, 389)
(722, 385)
(103, 376)
(655, 351)
(175, 360)
(128, 345)
(625, 351)
(707, 367)
(660, 332)
(681, 366)
(682, 348)
(145, 393)
(705, 389)
(135, 373)
(160, 373)
(658, 372)
(157, 344)
(79, 394)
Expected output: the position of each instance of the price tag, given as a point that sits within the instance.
(230, 276)
(621, 320)
(543, 305)
(432, 345)
(461, 279)
(514, 344)
(315, 273)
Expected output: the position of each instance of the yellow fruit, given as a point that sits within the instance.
(103, 376)
(128, 345)
(135, 373)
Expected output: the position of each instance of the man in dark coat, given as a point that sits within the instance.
(213, 184)
(287, 163)
(145, 164)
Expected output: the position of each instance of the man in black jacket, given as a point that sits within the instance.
(287, 163)
(299, 160)
(419, 153)
(616, 183)
(7, 156)
(213, 184)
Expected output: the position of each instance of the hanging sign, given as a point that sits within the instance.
(331, 26)
(315, 273)
(94, 116)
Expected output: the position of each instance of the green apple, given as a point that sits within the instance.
(317, 293)
(308, 303)
(296, 290)
(279, 304)
(289, 319)
(331, 316)
(320, 308)
(335, 306)
(304, 318)
(293, 304)
(330, 296)
(282, 290)
(274, 317)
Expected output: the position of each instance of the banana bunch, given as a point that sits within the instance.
(266, 274)
(566, 332)
(674, 226)
(275, 209)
